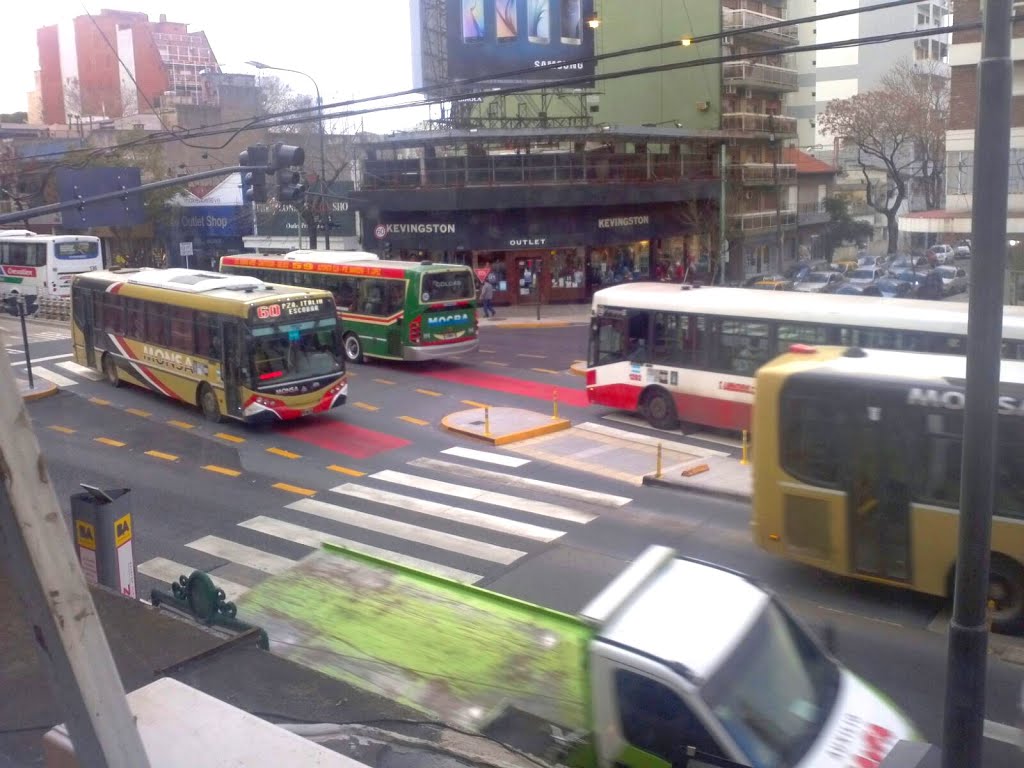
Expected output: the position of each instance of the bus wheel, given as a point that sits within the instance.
(208, 404)
(353, 348)
(1006, 593)
(659, 409)
(110, 371)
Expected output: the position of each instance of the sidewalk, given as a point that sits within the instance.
(40, 389)
(526, 316)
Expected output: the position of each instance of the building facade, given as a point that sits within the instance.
(118, 63)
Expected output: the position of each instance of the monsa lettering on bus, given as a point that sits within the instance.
(622, 221)
(954, 400)
(174, 360)
(461, 317)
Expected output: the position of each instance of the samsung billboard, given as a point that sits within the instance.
(492, 38)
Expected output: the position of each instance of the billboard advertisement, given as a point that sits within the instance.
(491, 38)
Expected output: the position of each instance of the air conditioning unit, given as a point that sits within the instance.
(730, 90)
(727, 40)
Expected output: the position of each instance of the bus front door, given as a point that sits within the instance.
(878, 499)
(233, 370)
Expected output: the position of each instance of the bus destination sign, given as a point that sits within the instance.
(291, 309)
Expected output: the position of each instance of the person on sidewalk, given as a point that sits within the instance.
(487, 297)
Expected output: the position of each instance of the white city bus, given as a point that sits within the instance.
(43, 265)
(685, 353)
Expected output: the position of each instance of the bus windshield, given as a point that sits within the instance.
(295, 351)
(456, 285)
(77, 249)
(775, 691)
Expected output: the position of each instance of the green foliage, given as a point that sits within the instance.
(14, 117)
(843, 228)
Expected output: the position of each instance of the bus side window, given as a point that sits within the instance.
(939, 475)
(669, 338)
(156, 324)
(788, 334)
(637, 342)
(1010, 467)
(113, 313)
(182, 330)
(371, 297)
(396, 296)
(346, 296)
(808, 431)
(134, 319)
(743, 346)
(206, 336)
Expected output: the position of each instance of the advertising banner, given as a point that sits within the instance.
(493, 38)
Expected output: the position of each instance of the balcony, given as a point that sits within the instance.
(812, 213)
(549, 168)
(754, 122)
(760, 174)
(759, 221)
(766, 77)
(741, 20)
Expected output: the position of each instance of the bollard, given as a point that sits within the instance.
(657, 471)
(102, 522)
(487, 421)
(743, 458)
(554, 404)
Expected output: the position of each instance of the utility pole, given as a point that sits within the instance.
(962, 735)
(723, 243)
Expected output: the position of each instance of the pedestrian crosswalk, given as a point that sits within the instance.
(421, 518)
(12, 332)
(57, 369)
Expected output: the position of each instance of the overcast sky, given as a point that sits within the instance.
(351, 47)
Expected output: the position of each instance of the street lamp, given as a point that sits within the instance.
(320, 120)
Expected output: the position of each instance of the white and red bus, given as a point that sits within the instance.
(43, 265)
(689, 354)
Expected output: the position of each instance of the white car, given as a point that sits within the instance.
(818, 282)
(944, 254)
(864, 276)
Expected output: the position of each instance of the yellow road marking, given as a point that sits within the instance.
(366, 406)
(294, 489)
(222, 470)
(99, 401)
(181, 424)
(64, 430)
(430, 392)
(475, 404)
(137, 412)
(282, 452)
(162, 455)
(546, 370)
(383, 381)
(230, 438)
(412, 420)
(346, 471)
(494, 362)
(108, 441)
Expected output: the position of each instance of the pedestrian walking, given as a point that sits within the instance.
(487, 297)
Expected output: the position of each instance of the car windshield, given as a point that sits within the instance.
(774, 692)
(816, 277)
(863, 274)
(295, 351)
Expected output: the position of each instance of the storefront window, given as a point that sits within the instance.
(566, 269)
(493, 267)
(619, 264)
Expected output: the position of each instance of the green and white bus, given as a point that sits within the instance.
(395, 310)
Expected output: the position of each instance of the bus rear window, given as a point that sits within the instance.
(82, 250)
(456, 285)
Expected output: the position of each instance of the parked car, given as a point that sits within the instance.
(905, 261)
(869, 260)
(849, 289)
(892, 288)
(773, 284)
(818, 282)
(943, 252)
(954, 279)
(962, 250)
(930, 286)
(865, 275)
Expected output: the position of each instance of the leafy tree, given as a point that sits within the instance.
(843, 228)
(897, 128)
(14, 117)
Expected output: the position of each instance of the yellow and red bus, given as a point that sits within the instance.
(396, 310)
(857, 457)
(234, 346)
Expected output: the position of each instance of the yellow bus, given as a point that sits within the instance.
(856, 458)
(235, 346)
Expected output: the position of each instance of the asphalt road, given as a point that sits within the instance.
(381, 473)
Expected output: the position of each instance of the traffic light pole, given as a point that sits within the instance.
(24, 341)
(124, 192)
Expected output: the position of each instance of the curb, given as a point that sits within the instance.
(578, 368)
(39, 394)
(535, 324)
(555, 425)
(701, 490)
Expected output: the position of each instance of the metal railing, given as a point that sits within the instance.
(554, 168)
(53, 308)
(758, 123)
(763, 173)
(736, 19)
(760, 220)
(759, 75)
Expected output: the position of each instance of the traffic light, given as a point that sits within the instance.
(254, 183)
(15, 302)
(290, 188)
(284, 159)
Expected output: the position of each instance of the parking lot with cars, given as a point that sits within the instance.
(940, 273)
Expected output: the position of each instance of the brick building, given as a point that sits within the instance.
(87, 66)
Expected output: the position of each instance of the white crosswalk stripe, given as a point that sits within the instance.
(80, 370)
(407, 519)
(53, 377)
(168, 571)
(490, 458)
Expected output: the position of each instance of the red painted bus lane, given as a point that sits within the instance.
(511, 386)
(339, 437)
